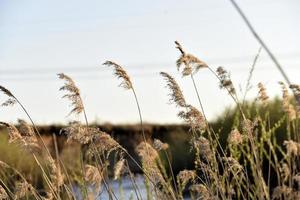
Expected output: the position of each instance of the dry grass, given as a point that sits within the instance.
(253, 164)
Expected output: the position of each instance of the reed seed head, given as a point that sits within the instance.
(119, 169)
(120, 73)
(262, 94)
(293, 148)
(73, 93)
(235, 137)
(93, 176)
(193, 117)
(191, 64)
(25, 139)
(159, 145)
(286, 105)
(176, 95)
(296, 91)
(185, 176)
(225, 80)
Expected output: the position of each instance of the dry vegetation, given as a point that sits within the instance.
(253, 164)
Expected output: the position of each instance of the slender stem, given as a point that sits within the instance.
(171, 170)
(247, 88)
(140, 114)
(136, 189)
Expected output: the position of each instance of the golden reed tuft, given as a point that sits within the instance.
(73, 93)
(191, 64)
(120, 73)
(175, 94)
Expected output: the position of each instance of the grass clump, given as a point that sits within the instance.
(252, 152)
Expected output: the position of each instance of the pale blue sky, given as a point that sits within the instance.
(41, 38)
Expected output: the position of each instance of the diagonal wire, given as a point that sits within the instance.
(258, 38)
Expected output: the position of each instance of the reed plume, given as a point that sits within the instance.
(262, 94)
(25, 138)
(119, 169)
(293, 148)
(225, 80)
(183, 178)
(194, 118)
(80, 133)
(73, 93)
(296, 90)
(175, 94)
(286, 105)
(11, 98)
(235, 137)
(22, 189)
(191, 64)
(120, 73)
(93, 176)
(159, 145)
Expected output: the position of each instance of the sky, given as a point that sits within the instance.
(39, 39)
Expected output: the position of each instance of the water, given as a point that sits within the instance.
(125, 190)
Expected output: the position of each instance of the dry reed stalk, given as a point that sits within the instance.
(126, 83)
(56, 175)
(248, 86)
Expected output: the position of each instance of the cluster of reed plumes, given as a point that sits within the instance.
(252, 165)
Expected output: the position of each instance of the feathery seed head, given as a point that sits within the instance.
(120, 73)
(225, 80)
(159, 145)
(286, 105)
(92, 175)
(193, 117)
(6, 91)
(25, 139)
(293, 148)
(22, 188)
(73, 93)
(235, 137)
(185, 176)
(190, 63)
(203, 146)
(281, 190)
(296, 91)
(176, 95)
(119, 169)
(262, 94)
